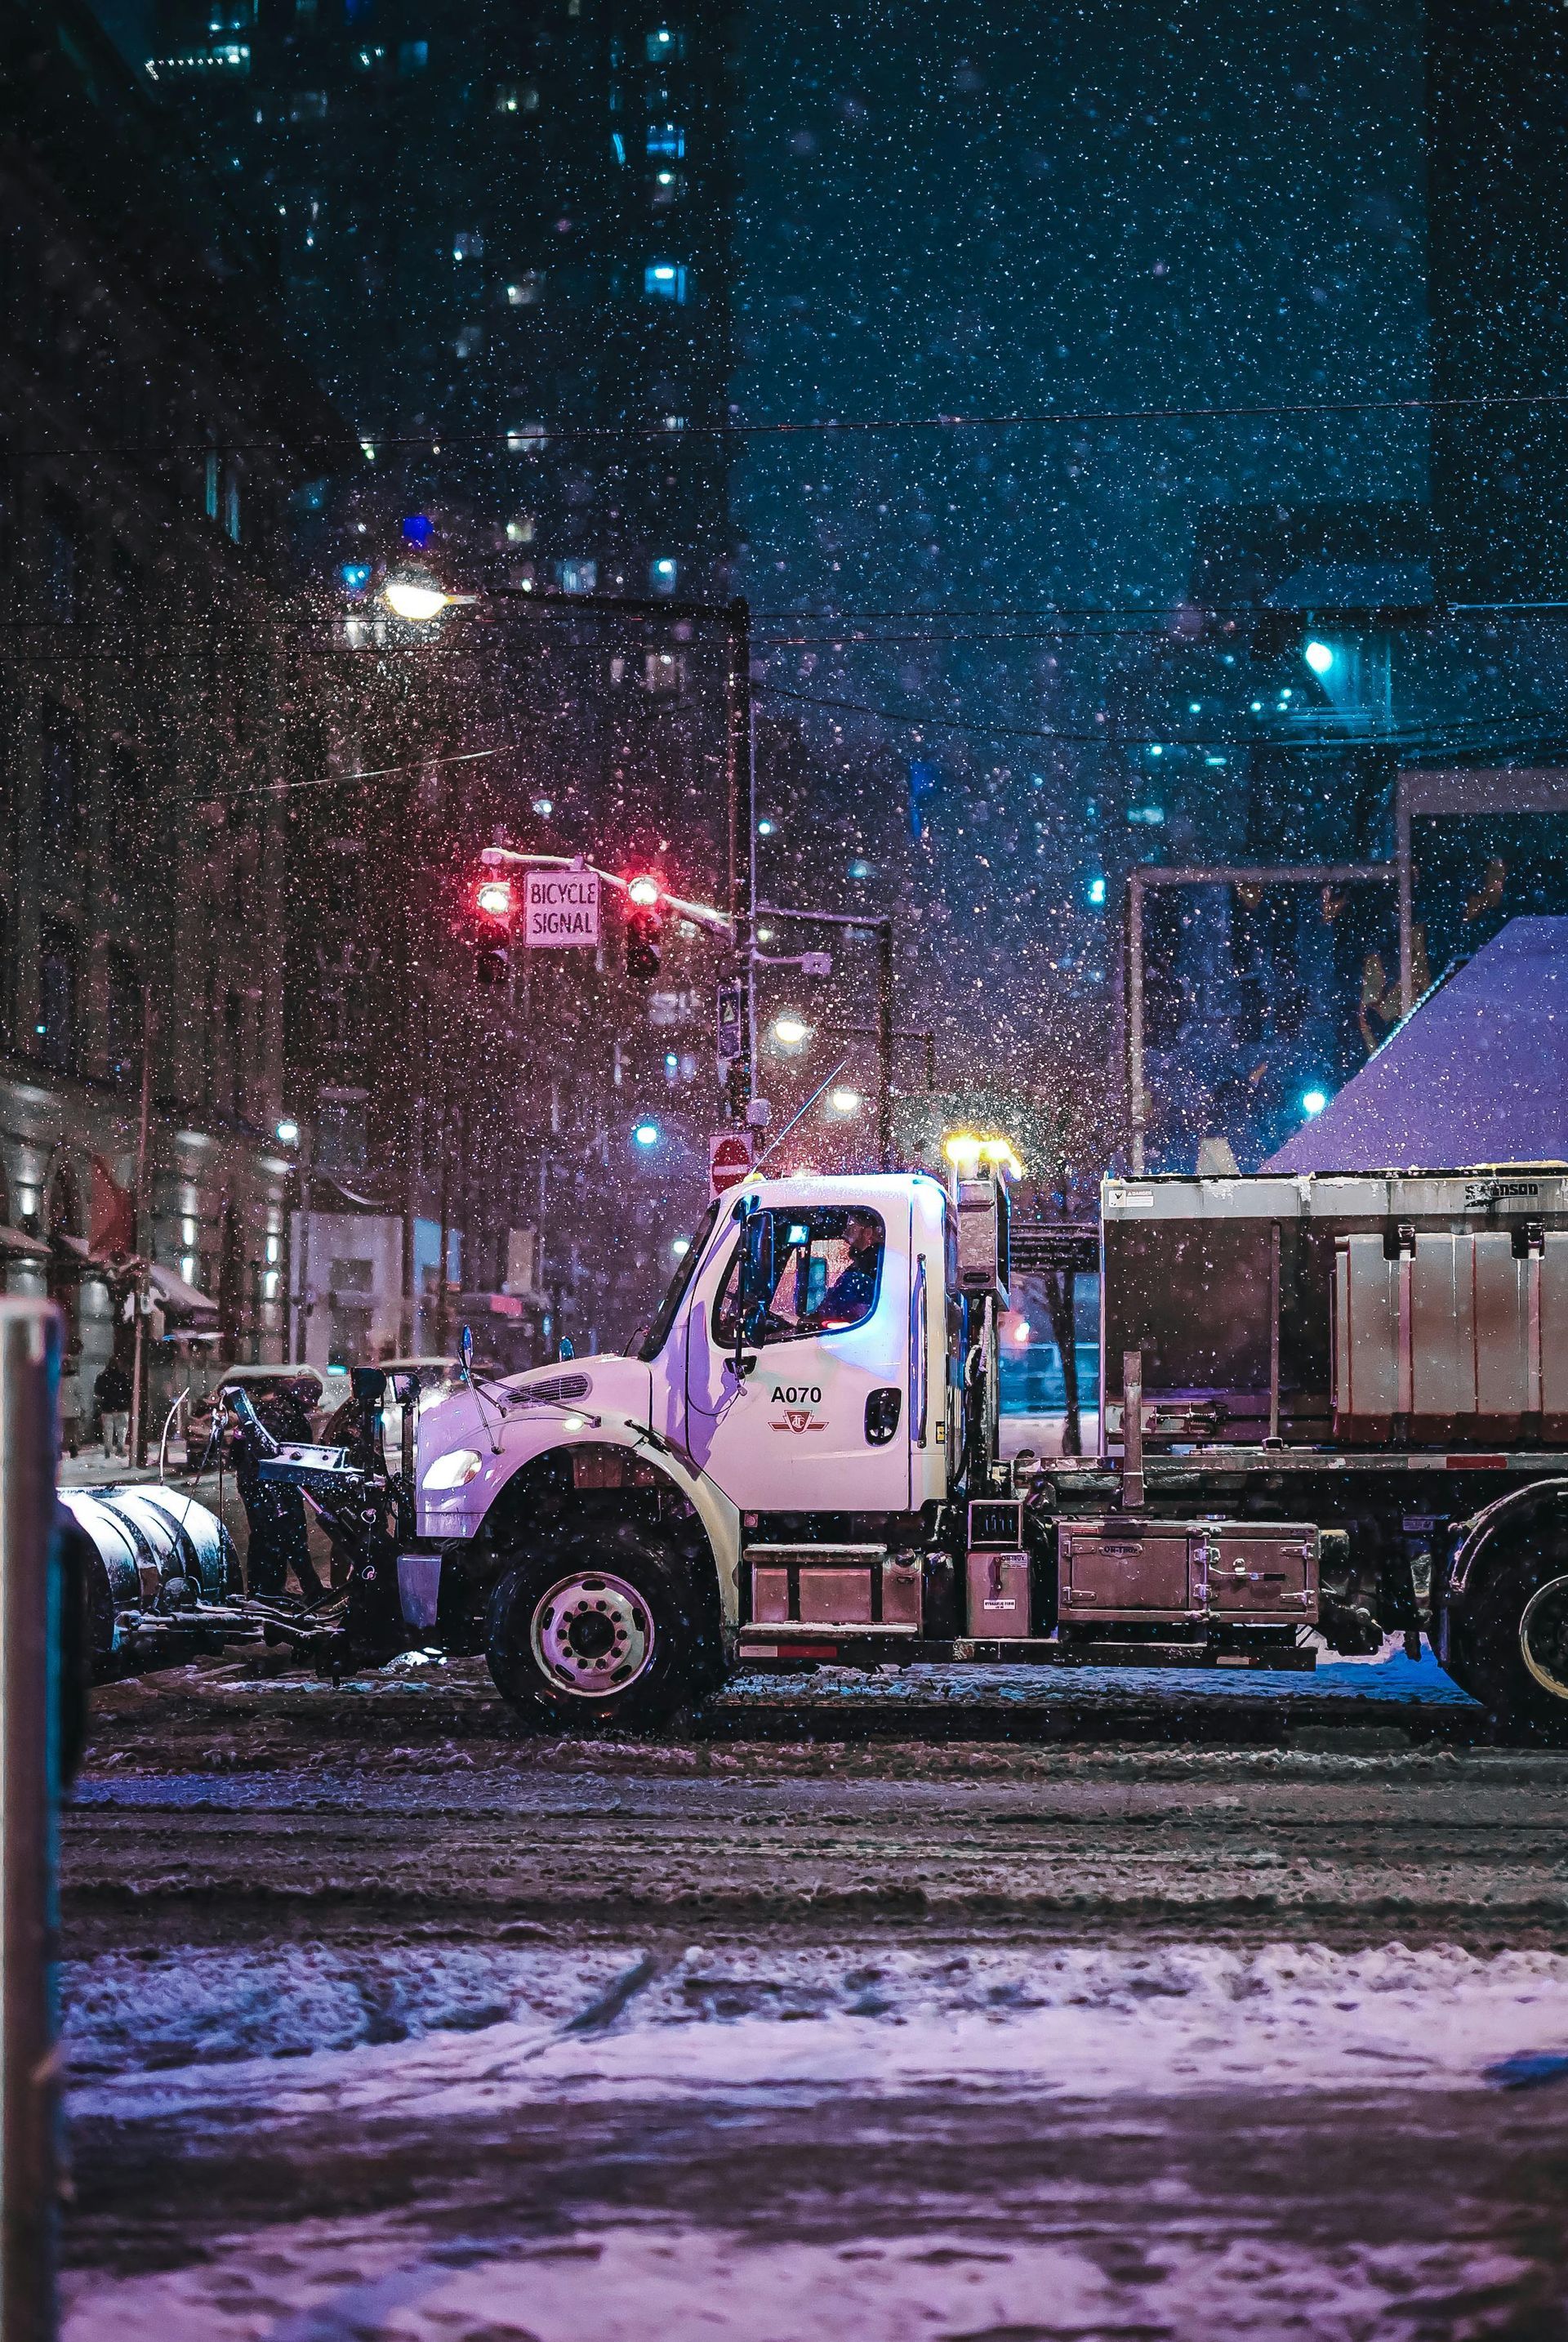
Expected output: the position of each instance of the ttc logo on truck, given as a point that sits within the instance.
(797, 1418)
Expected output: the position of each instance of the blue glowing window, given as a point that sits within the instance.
(663, 574)
(665, 46)
(667, 138)
(665, 280)
(417, 530)
(356, 576)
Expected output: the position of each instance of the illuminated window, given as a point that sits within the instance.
(664, 671)
(526, 438)
(580, 577)
(413, 56)
(666, 139)
(525, 291)
(665, 280)
(665, 46)
(663, 574)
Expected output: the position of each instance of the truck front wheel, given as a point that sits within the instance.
(1515, 1654)
(600, 1626)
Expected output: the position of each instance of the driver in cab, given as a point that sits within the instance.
(850, 1296)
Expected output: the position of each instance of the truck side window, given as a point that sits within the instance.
(686, 1268)
(827, 1274)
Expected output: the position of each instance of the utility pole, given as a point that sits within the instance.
(143, 1237)
(30, 1659)
(741, 789)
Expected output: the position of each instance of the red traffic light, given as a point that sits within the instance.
(495, 898)
(646, 893)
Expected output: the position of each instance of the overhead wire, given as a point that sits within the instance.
(367, 443)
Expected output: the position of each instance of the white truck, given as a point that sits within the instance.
(1332, 1409)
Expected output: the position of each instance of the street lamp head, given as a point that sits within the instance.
(417, 599)
(1318, 656)
(845, 1101)
(1313, 1100)
(288, 1132)
(791, 1030)
(646, 1133)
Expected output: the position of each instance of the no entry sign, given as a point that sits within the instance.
(729, 1160)
(560, 906)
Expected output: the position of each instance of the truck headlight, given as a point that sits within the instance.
(454, 1469)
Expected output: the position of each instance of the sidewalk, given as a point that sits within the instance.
(90, 1469)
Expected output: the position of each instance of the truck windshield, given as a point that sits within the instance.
(658, 1333)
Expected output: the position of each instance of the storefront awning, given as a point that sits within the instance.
(176, 1298)
(173, 1295)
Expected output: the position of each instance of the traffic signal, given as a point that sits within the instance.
(495, 907)
(645, 929)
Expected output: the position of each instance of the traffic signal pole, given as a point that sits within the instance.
(741, 789)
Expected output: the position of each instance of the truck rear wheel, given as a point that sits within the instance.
(600, 1626)
(1515, 1655)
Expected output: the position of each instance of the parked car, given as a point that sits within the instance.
(437, 1376)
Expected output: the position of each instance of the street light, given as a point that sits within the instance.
(288, 1132)
(790, 1031)
(1313, 1100)
(845, 1101)
(646, 1133)
(418, 599)
(1318, 656)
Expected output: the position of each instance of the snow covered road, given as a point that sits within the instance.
(475, 2038)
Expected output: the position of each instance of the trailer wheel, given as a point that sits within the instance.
(1514, 1653)
(602, 1626)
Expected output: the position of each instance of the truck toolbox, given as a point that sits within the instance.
(1122, 1568)
(847, 1586)
(1262, 1574)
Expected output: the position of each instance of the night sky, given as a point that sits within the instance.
(1112, 205)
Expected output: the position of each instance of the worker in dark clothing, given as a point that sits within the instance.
(851, 1296)
(274, 1512)
(112, 1395)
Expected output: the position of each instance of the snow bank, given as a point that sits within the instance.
(443, 2033)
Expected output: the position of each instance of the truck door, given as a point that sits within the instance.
(816, 1420)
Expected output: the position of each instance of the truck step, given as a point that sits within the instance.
(767, 1647)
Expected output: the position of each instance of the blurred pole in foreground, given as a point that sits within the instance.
(29, 1764)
